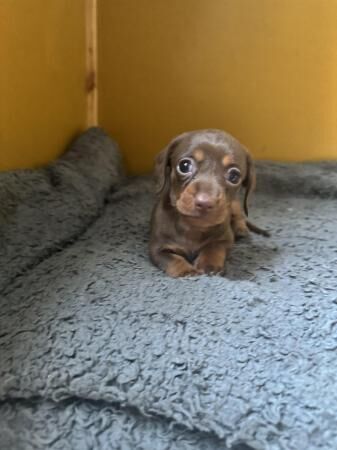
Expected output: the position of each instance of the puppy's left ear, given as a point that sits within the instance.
(249, 182)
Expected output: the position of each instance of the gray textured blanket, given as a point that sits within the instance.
(98, 349)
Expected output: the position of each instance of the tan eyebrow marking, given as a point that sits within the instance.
(199, 155)
(226, 160)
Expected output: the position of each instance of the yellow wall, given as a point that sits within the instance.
(264, 70)
(42, 73)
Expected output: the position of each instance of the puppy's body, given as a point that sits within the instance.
(177, 242)
(198, 213)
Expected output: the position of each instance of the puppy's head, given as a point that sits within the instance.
(200, 173)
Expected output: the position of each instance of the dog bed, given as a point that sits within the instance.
(101, 350)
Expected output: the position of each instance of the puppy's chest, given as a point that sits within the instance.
(191, 241)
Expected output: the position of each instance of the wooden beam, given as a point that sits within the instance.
(91, 62)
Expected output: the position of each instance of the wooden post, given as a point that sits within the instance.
(91, 62)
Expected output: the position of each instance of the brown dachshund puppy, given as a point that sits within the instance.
(198, 214)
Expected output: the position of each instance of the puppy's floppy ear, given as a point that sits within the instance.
(249, 182)
(162, 168)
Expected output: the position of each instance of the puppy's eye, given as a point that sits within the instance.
(185, 166)
(233, 175)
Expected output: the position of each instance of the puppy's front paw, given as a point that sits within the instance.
(181, 268)
(205, 265)
(210, 269)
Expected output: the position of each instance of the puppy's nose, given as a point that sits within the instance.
(204, 202)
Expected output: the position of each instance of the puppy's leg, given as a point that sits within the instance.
(178, 266)
(238, 222)
(175, 265)
(212, 258)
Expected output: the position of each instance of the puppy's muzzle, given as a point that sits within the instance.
(202, 200)
(204, 203)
